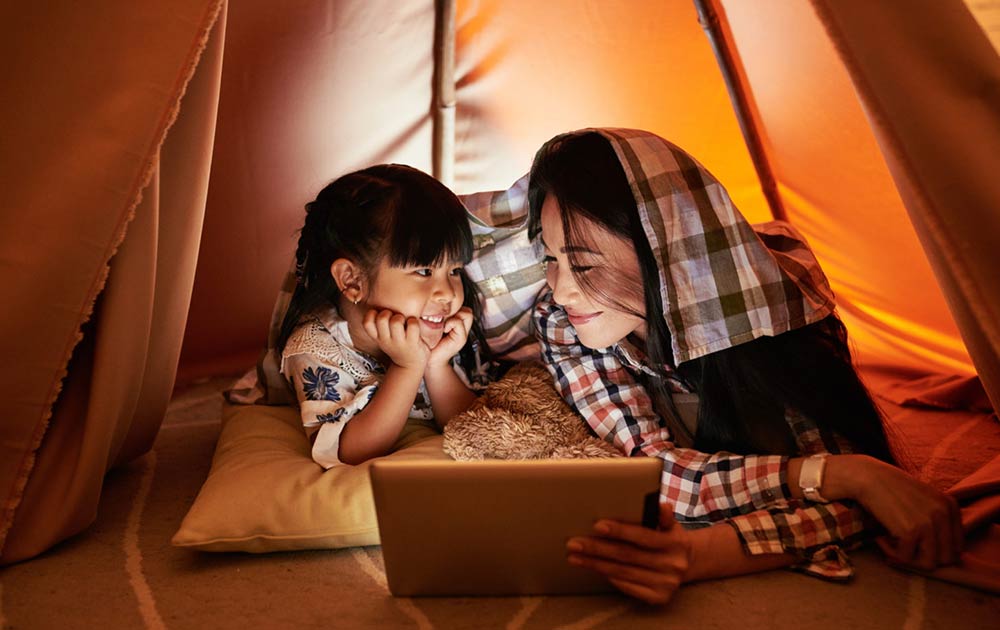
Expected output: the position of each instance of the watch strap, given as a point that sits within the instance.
(811, 477)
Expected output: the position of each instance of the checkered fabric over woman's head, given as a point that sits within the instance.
(722, 283)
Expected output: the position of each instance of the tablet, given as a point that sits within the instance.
(500, 527)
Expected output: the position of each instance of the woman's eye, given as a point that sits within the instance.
(548, 260)
(581, 268)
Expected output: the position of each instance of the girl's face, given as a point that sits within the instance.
(606, 258)
(431, 294)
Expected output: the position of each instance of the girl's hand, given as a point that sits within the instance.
(643, 563)
(398, 337)
(456, 332)
(924, 525)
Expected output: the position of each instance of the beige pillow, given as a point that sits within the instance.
(265, 493)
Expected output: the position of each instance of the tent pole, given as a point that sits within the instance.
(444, 91)
(710, 22)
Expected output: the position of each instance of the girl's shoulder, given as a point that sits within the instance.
(323, 338)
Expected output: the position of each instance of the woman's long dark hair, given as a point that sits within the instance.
(387, 211)
(744, 391)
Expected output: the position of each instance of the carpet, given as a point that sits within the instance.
(123, 573)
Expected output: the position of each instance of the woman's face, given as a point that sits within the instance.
(608, 261)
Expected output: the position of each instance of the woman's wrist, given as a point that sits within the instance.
(846, 476)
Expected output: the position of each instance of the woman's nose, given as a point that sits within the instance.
(564, 290)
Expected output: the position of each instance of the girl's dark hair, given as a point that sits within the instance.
(388, 211)
(744, 391)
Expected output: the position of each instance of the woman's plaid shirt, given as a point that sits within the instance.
(750, 492)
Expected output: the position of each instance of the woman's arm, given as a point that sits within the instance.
(715, 487)
(701, 486)
(650, 565)
(924, 525)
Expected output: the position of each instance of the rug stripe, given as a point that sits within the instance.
(405, 604)
(133, 556)
(596, 619)
(528, 607)
(916, 602)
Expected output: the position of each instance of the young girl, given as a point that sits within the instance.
(382, 328)
(679, 332)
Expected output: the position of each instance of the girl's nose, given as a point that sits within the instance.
(444, 291)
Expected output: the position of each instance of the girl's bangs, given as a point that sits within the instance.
(430, 233)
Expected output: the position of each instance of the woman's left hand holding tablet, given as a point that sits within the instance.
(647, 564)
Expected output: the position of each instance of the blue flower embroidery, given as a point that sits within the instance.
(331, 417)
(372, 366)
(319, 384)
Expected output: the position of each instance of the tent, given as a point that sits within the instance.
(156, 157)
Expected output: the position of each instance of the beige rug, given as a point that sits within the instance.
(123, 573)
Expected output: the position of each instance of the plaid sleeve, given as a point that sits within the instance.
(703, 487)
(817, 533)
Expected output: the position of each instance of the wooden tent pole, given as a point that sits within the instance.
(709, 19)
(444, 91)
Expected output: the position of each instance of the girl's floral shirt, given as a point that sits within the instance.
(333, 381)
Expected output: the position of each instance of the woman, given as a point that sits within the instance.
(679, 332)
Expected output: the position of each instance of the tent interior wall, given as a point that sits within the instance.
(288, 96)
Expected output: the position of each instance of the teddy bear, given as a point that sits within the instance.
(521, 416)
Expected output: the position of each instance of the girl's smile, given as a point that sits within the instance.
(430, 293)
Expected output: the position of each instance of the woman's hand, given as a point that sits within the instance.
(643, 563)
(924, 525)
(456, 332)
(398, 337)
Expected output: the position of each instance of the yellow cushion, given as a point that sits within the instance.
(265, 493)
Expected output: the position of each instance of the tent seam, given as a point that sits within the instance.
(141, 182)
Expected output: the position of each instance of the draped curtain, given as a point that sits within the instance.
(99, 239)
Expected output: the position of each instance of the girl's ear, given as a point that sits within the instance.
(350, 279)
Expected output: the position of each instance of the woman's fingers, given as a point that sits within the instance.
(634, 534)
(651, 578)
(660, 558)
(950, 533)
(957, 528)
(642, 592)
(923, 523)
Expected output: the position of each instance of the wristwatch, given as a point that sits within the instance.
(811, 477)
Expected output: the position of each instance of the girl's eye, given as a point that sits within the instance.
(425, 272)
(457, 271)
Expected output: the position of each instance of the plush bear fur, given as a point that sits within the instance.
(521, 416)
